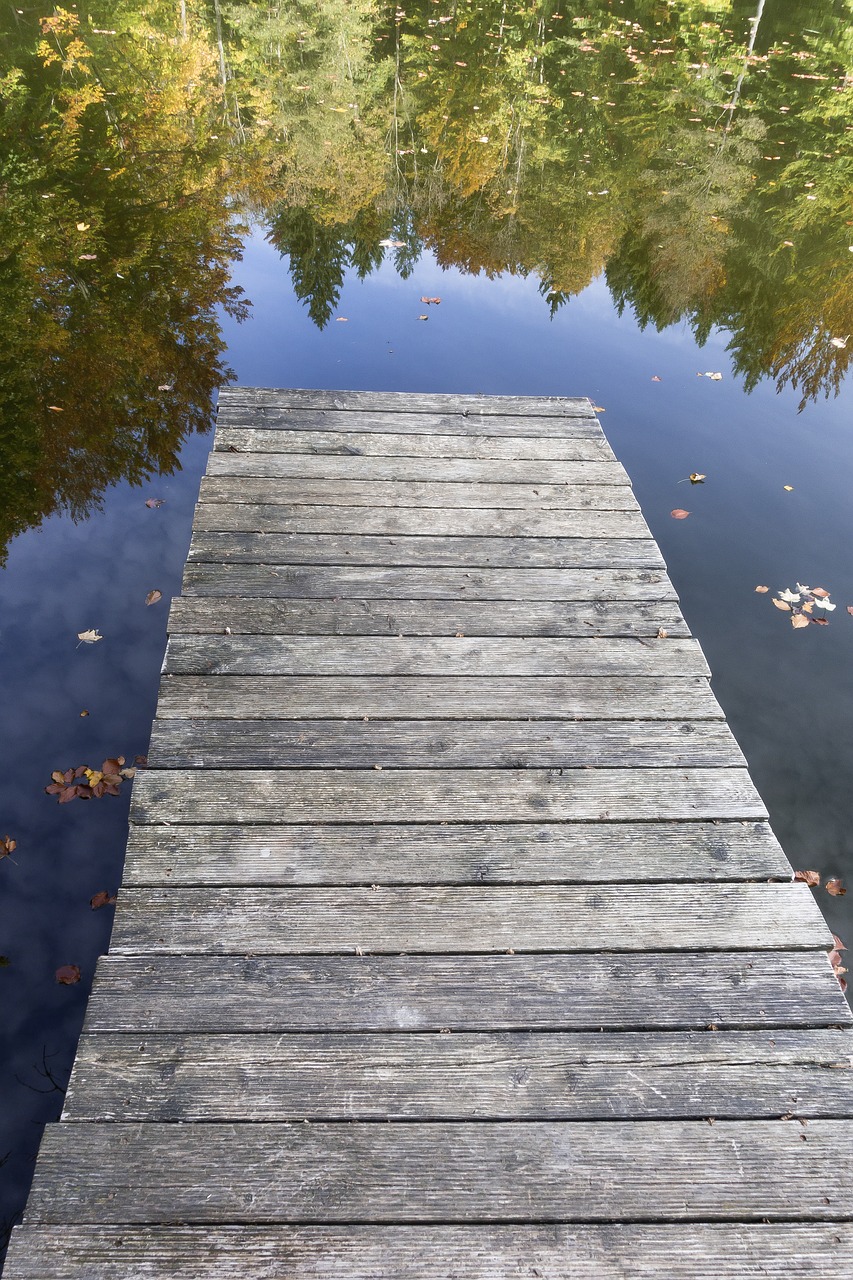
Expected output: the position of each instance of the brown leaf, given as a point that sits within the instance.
(838, 944)
(431, 301)
(782, 604)
(112, 765)
(58, 776)
(655, 378)
(153, 596)
(679, 514)
(834, 957)
(141, 762)
(102, 899)
(342, 319)
(809, 877)
(68, 974)
(820, 622)
(154, 503)
(835, 887)
(7, 846)
(850, 608)
(820, 593)
(696, 477)
(762, 590)
(799, 620)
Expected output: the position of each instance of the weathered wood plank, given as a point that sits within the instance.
(436, 698)
(355, 443)
(474, 425)
(452, 795)
(366, 549)
(375, 583)
(416, 656)
(253, 616)
(448, 853)
(530, 1171)
(533, 1076)
(389, 402)
(615, 1251)
(398, 521)
(581, 991)
(418, 744)
(415, 493)
(469, 471)
(265, 920)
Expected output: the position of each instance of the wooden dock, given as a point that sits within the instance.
(453, 940)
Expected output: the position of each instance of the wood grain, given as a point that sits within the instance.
(449, 853)
(572, 992)
(531, 1171)
(441, 744)
(699, 1251)
(351, 442)
(414, 493)
(423, 550)
(470, 471)
(256, 616)
(459, 656)
(459, 919)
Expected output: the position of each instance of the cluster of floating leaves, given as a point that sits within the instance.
(802, 604)
(68, 784)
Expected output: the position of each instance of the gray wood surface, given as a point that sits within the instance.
(321, 582)
(529, 1171)
(459, 656)
(437, 698)
(448, 853)
(573, 992)
(255, 616)
(454, 795)
(615, 1251)
(416, 493)
(268, 516)
(422, 550)
(351, 442)
(538, 1076)
(426, 744)
(529, 407)
(488, 471)
(457, 919)
(453, 939)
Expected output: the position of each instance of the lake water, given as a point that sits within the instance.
(614, 201)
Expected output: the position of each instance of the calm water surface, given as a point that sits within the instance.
(607, 200)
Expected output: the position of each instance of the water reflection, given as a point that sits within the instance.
(696, 155)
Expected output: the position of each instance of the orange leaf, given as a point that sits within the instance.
(808, 877)
(679, 514)
(835, 887)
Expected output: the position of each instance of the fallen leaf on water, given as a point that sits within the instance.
(423, 317)
(68, 974)
(461, 64)
(809, 877)
(679, 514)
(782, 604)
(762, 590)
(598, 408)
(715, 377)
(7, 846)
(54, 408)
(820, 622)
(140, 761)
(153, 596)
(86, 257)
(789, 488)
(841, 343)
(431, 301)
(850, 609)
(83, 714)
(83, 226)
(342, 319)
(824, 604)
(154, 503)
(809, 605)
(835, 887)
(799, 620)
(789, 595)
(696, 477)
(837, 943)
(655, 378)
(89, 637)
(820, 592)
(392, 244)
(102, 899)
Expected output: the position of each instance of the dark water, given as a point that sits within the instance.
(600, 198)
